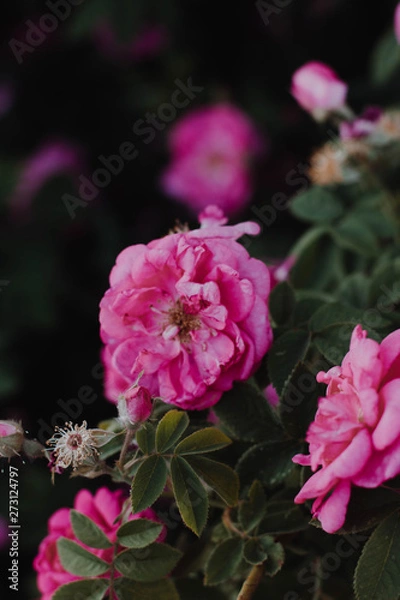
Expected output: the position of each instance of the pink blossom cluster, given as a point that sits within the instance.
(211, 149)
(103, 508)
(355, 437)
(188, 312)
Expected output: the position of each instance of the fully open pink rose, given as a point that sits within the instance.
(210, 152)
(318, 89)
(102, 508)
(189, 311)
(355, 437)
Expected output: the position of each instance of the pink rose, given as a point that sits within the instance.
(397, 22)
(147, 44)
(135, 405)
(102, 508)
(318, 89)
(210, 152)
(189, 311)
(355, 437)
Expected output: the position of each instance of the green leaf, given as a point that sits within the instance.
(78, 561)
(88, 532)
(205, 440)
(385, 58)
(90, 589)
(282, 302)
(251, 511)
(246, 414)
(146, 438)
(127, 589)
(285, 354)
(270, 462)
(356, 236)
(193, 589)
(112, 447)
(368, 507)
(221, 478)
(377, 575)
(354, 290)
(334, 342)
(224, 561)
(305, 309)
(275, 552)
(139, 533)
(147, 564)
(333, 314)
(170, 429)
(254, 552)
(190, 495)
(148, 483)
(316, 205)
(283, 517)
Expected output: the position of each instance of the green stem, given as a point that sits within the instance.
(251, 583)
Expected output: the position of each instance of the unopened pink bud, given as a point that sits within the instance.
(318, 89)
(135, 405)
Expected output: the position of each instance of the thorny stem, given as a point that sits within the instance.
(130, 433)
(251, 583)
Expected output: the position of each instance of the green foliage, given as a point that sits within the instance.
(78, 561)
(377, 576)
(386, 58)
(254, 552)
(146, 438)
(283, 517)
(206, 440)
(221, 478)
(285, 354)
(251, 511)
(316, 205)
(190, 494)
(224, 561)
(138, 533)
(90, 589)
(88, 532)
(281, 303)
(148, 482)
(127, 590)
(147, 564)
(170, 429)
(270, 462)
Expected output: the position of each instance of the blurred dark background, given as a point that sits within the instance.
(79, 92)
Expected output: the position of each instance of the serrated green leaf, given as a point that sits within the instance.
(146, 438)
(270, 462)
(148, 483)
(254, 552)
(275, 552)
(170, 429)
(88, 532)
(282, 302)
(246, 414)
(369, 507)
(90, 589)
(224, 561)
(127, 589)
(205, 440)
(316, 205)
(221, 478)
(285, 354)
(190, 495)
(138, 533)
(78, 561)
(148, 564)
(377, 575)
(252, 511)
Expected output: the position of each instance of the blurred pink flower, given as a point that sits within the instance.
(280, 271)
(318, 89)
(103, 508)
(355, 437)
(4, 539)
(211, 149)
(361, 126)
(397, 22)
(7, 94)
(147, 44)
(189, 311)
(51, 159)
(271, 395)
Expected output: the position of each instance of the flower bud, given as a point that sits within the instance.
(397, 22)
(11, 438)
(135, 405)
(318, 89)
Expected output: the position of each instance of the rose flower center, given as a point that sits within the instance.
(180, 316)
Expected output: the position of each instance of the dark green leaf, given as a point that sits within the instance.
(377, 576)
(205, 440)
(285, 354)
(385, 58)
(221, 478)
(159, 590)
(299, 400)
(224, 561)
(355, 235)
(254, 552)
(112, 447)
(190, 495)
(283, 517)
(88, 532)
(270, 462)
(138, 533)
(90, 589)
(275, 552)
(368, 507)
(193, 589)
(252, 511)
(247, 415)
(170, 429)
(146, 438)
(316, 205)
(354, 290)
(148, 564)
(148, 483)
(281, 302)
(78, 561)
